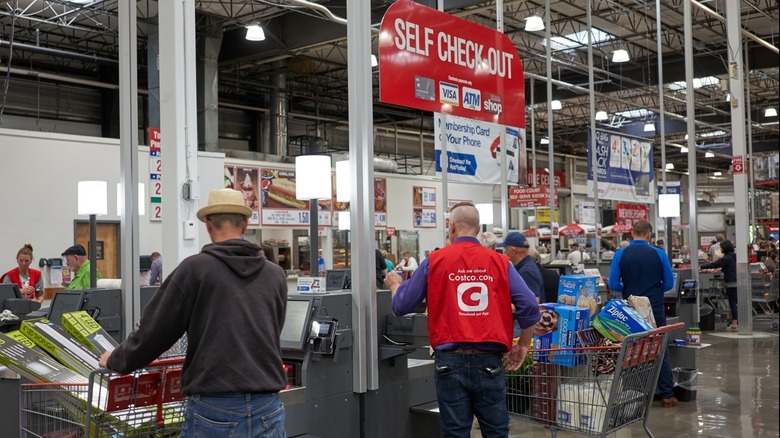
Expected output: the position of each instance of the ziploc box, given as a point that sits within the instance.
(617, 320)
(62, 346)
(580, 291)
(562, 322)
(82, 327)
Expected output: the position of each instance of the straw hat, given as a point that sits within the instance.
(224, 201)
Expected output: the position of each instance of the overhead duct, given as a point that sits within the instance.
(380, 164)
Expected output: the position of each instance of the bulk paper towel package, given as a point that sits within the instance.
(561, 324)
(617, 320)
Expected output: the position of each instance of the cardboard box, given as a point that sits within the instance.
(563, 323)
(617, 320)
(87, 331)
(33, 363)
(580, 291)
(61, 345)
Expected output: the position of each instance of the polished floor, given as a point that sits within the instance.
(737, 396)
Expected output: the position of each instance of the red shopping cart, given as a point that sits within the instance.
(146, 403)
(609, 387)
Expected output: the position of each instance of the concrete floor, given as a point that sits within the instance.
(738, 393)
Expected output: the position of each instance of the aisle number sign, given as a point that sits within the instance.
(155, 175)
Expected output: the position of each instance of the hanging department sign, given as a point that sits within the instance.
(629, 214)
(625, 167)
(474, 149)
(530, 197)
(437, 62)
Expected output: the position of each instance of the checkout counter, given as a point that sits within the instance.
(318, 356)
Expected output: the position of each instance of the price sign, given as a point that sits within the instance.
(155, 175)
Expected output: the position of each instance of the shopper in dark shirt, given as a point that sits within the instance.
(550, 278)
(643, 270)
(728, 265)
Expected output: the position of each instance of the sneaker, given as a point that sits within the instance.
(669, 402)
(731, 328)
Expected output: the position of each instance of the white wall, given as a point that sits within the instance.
(39, 173)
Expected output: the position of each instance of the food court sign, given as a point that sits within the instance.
(436, 62)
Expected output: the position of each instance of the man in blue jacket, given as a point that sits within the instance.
(644, 270)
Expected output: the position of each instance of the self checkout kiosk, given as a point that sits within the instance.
(104, 305)
(318, 354)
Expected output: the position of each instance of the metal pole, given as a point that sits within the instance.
(691, 112)
(662, 117)
(736, 85)
(444, 159)
(504, 183)
(550, 158)
(92, 251)
(594, 153)
(313, 239)
(533, 135)
(751, 182)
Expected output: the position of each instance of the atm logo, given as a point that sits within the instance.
(472, 99)
(449, 94)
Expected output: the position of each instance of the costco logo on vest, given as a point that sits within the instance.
(472, 297)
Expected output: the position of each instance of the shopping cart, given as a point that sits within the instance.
(147, 403)
(763, 295)
(610, 386)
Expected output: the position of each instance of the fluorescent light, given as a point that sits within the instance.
(686, 136)
(374, 61)
(556, 104)
(709, 155)
(649, 127)
(684, 149)
(544, 140)
(92, 198)
(534, 23)
(770, 112)
(718, 173)
(669, 205)
(696, 83)
(620, 55)
(602, 115)
(669, 166)
(254, 33)
(728, 97)
(313, 177)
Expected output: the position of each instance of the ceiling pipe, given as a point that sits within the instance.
(58, 52)
(744, 32)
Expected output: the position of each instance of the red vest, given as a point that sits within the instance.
(13, 274)
(468, 295)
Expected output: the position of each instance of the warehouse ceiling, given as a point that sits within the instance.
(76, 42)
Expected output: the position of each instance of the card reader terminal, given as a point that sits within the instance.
(322, 336)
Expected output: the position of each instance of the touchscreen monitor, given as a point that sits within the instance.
(296, 321)
(9, 290)
(64, 301)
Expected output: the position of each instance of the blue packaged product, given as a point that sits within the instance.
(617, 320)
(558, 329)
(580, 291)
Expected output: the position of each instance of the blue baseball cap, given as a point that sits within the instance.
(514, 239)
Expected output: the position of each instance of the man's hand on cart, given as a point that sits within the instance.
(515, 357)
(104, 359)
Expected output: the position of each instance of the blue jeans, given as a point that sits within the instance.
(234, 415)
(665, 379)
(468, 385)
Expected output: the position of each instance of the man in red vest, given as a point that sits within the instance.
(470, 292)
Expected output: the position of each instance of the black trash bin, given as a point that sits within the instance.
(685, 383)
(706, 317)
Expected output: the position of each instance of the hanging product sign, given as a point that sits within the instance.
(625, 167)
(155, 175)
(530, 197)
(279, 204)
(672, 188)
(474, 150)
(380, 202)
(543, 178)
(437, 62)
(629, 214)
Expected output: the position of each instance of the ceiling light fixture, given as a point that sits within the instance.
(556, 104)
(697, 83)
(770, 112)
(684, 149)
(534, 23)
(709, 155)
(254, 33)
(669, 166)
(80, 2)
(544, 140)
(649, 127)
(602, 115)
(728, 97)
(374, 61)
(718, 173)
(620, 55)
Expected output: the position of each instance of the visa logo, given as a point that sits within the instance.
(449, 94)
(472, 99)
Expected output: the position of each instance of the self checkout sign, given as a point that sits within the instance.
(155, 175)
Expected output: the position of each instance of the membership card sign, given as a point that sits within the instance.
(437, 62)
(625, 167)
(474, 150)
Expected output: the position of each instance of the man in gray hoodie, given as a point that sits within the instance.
(230, 301)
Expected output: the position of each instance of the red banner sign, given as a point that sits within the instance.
(437, 62)
(629, 214)
(543, 177)
(529, 197)
(738, 164)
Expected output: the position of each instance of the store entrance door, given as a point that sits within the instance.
(107, 245)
